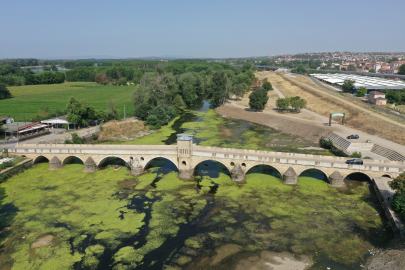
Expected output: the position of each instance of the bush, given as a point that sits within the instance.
(76, 139)
(94, 136)
(398, 202)
(356, 155)
(68, 142)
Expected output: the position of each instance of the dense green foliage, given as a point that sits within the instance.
(4, 92)
(15, 76)
(398, 202)
(361, 91)
(356, 154)
(258, 99)
(348, 85)
(21, 62)
(394, 96)
(297, 103)
(80, 113)
(267, 86)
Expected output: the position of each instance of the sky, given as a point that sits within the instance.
(203, 29)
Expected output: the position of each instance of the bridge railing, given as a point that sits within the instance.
(296, 155)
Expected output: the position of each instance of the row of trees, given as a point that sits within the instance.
(15, 76)
(297, 103)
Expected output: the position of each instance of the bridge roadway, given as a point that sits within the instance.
(186, 156)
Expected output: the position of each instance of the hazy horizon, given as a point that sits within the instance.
(209, 29)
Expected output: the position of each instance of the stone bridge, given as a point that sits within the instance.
(186, 156)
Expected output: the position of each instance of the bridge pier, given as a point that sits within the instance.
(55, 164)
(237, 174)
(90, 166)
(136, 167)
(336, 179)
(290, 177)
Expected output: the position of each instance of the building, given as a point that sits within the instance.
(24, 130)
(6, 120)
(377, 98)
(58, 122)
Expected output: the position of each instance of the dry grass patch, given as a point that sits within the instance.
(122, 130)
(325, 105)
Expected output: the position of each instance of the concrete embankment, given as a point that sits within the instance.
(16, 169)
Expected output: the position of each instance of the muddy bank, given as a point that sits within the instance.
(391, 259)
(296, 127)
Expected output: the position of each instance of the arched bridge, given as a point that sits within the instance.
(186, 156)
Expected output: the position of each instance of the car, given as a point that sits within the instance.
(356, 161)
(353, 136)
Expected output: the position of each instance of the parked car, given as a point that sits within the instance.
(356, 161)
(353, 136)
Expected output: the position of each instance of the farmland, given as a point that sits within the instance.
(28, 99)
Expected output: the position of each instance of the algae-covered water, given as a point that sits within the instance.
(113, 220)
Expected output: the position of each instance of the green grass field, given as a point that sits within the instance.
(28, 99)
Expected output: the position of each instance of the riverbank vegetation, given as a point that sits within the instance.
(398, 202)
(15, 76)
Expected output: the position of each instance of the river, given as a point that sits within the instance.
(111, 220)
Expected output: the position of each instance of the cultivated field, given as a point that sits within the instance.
(324, 105)
(28, 99)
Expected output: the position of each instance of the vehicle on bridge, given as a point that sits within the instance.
(353, 136)
(356, 161)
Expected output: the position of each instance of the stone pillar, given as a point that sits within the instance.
(184, 153)
(89, 165)
(336, 179)
(237, 174)
(136, 167)
(290, 177)
(55, 164)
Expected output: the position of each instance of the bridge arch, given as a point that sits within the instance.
(307, 171)
(71, 159)
(198, 162)
(368, 177)
(103, 160)
(252, 166)
(147, 163)
(387, 175)
(41, 159)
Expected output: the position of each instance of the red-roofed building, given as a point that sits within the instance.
(377, 98)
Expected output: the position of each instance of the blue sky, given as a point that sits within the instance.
(219, 29)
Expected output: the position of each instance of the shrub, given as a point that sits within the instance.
(398, 202)
(68, 142)
(76, 139)
(356, 155)
(94, 136)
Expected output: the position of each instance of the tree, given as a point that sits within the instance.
(80, 113)
(46, 68)
(398, 202)
(258, 99)
(361, 91)
(371, 70)
(142, 111)
(392, 59)
(122, 81)
(283, 103)
(347, 86)
(267, 86)
(54, 68)
(220, 87)
(238, 90)
(246, 66)
(401, 69)
(298, 103)
(4, 92)
(178, 103)
(111, 111)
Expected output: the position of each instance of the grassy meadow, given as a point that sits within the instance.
(29, 98)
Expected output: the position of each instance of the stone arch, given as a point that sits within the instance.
(103, 159)
(68, 159)
(318, 169)
(248, 168)
(229, 167)
(387, 175)
(147, 163)
(363, 173)
(41, 159)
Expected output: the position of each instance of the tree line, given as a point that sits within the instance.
(16, 76)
